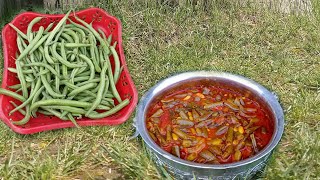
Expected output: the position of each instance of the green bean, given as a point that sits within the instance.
(31, 45)
(35, 98)
(29, 28)
(44, 112)
(107, 103)
(24, 36)
(82, 72)
(85, 99)
(109, 95)
(67, 108)
(96, 34)
(64, 102)
(44, 65)
(46, 95)
(49, 27)
(23, 112)
(80, 31)
(106, 88)
(76, 79)
(82, 88)
(25, 119)
(32, 93)
(101, 89)
(111, 81)
(63, 61)
(43, 72)
(89, 81)
(13, 70)
(54, 112)
(75, 45)
(75, 87)
(39, 43)
(19, 44)
(102, 34)
(74, 36)
(116, 64)
(95, 115)
(57, 79)
(22, 79)
(89, 62)
(57, 28)
(73, 120)
(93, 55)
(73, 74)
(12, 94)
(47, 56)
(67, 37)
(48, 87)
(109, 39)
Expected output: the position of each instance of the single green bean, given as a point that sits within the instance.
(47, 55)
(48, 87)
(89, 62)
(35, 98)
(12, 94)
(25, 119)
(101, 89)
(73, 74)
(67, 108)
(57, 78)
(49, 27)
(22, 80)
(29, 28)
(93, 55)
(54, 112)
(24, 36)
(23, 112)
(74, 45)
(82, 88)
(39, 43)
(13, 70)
(95, 115)
(95, 80)
(26, 102)
(106, 88)
(111, 82)
(109, 39)
(69, 115)
(85, 99)
(116, 64)
(32, 44)
(19, 44)
(57, 28)
(64, 102)
(44, 65)
(67, 37)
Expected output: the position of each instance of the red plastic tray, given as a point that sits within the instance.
(125, 85)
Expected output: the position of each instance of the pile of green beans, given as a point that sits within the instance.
(65, 71)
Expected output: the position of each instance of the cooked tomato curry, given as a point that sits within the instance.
(206, 124)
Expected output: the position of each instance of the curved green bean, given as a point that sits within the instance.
(82, 88)
(57, 28)
(31, 45)
(95, 115)
(29, 28)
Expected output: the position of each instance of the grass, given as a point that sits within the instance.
(277, 50)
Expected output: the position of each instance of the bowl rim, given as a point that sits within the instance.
(273, 103)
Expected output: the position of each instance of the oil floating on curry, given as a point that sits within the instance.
(211, 125)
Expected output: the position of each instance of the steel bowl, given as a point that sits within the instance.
(182, 169)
